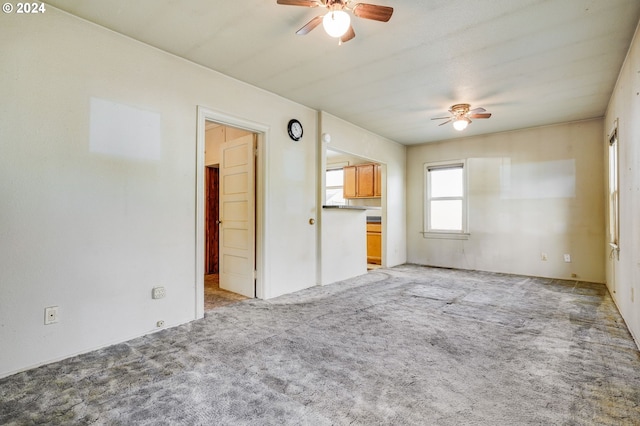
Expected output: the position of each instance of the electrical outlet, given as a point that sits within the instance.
(567, 258)
(543, 256)
(50, 315)
(158, 293)
(160, 323)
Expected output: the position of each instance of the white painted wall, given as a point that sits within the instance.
(344, 244)
(530, 191)
(350, 139)
(623, 276)
(91, 225)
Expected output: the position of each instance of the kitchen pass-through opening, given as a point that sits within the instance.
(351, 180)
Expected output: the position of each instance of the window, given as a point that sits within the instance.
(614, 192)
(445, 213)
(333, 185)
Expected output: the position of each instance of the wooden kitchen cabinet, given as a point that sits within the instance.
(374, 243)
(360, 181)
(377, 181)
(350, 182)
(365, 179)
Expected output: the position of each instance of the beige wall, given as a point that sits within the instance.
(623, 275)
(215, 135)
(90, 223)
(344, 244)
(531, 191)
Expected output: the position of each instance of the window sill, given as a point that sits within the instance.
(447, 235)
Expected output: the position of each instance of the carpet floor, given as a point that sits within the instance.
(402, 346)
(214, 296)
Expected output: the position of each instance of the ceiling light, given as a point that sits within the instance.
(336, 23)
(461, 123)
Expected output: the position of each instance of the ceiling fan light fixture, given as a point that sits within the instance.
(461, 123)
(336, 23)
(461, 116)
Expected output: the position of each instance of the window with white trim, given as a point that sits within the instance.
(445, 211)
(334, 191)
(614, 192)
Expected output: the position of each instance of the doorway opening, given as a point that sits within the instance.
(237, 168)
(229, 217)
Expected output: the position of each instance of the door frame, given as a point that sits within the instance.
(262, 131)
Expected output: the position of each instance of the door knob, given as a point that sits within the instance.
(219, 222)
(312, 221)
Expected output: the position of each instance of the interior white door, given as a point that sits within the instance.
(237, 216)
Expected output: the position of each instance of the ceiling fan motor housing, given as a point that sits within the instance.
(336, 4)
(460, 109)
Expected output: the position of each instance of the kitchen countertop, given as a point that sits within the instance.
(359, 208)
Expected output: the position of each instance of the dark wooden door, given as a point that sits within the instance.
(211, 215)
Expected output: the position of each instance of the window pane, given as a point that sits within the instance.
(334, 178)
(446, 215)
(334, 197)
(614, 233)
(446, 182)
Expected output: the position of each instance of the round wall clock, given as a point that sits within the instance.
(295, 129)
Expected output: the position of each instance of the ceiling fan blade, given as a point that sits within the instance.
(372, 11)
(441, 118)
(445, 122)
(310, 25)
(348, 35)
(307, 3)
(480, 115)
(477, 110)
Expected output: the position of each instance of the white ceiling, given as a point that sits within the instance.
(529, 62)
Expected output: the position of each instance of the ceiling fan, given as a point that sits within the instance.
(337, 22)
(461, 115)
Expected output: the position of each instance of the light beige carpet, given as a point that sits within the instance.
(214, 296)
(402, 346)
